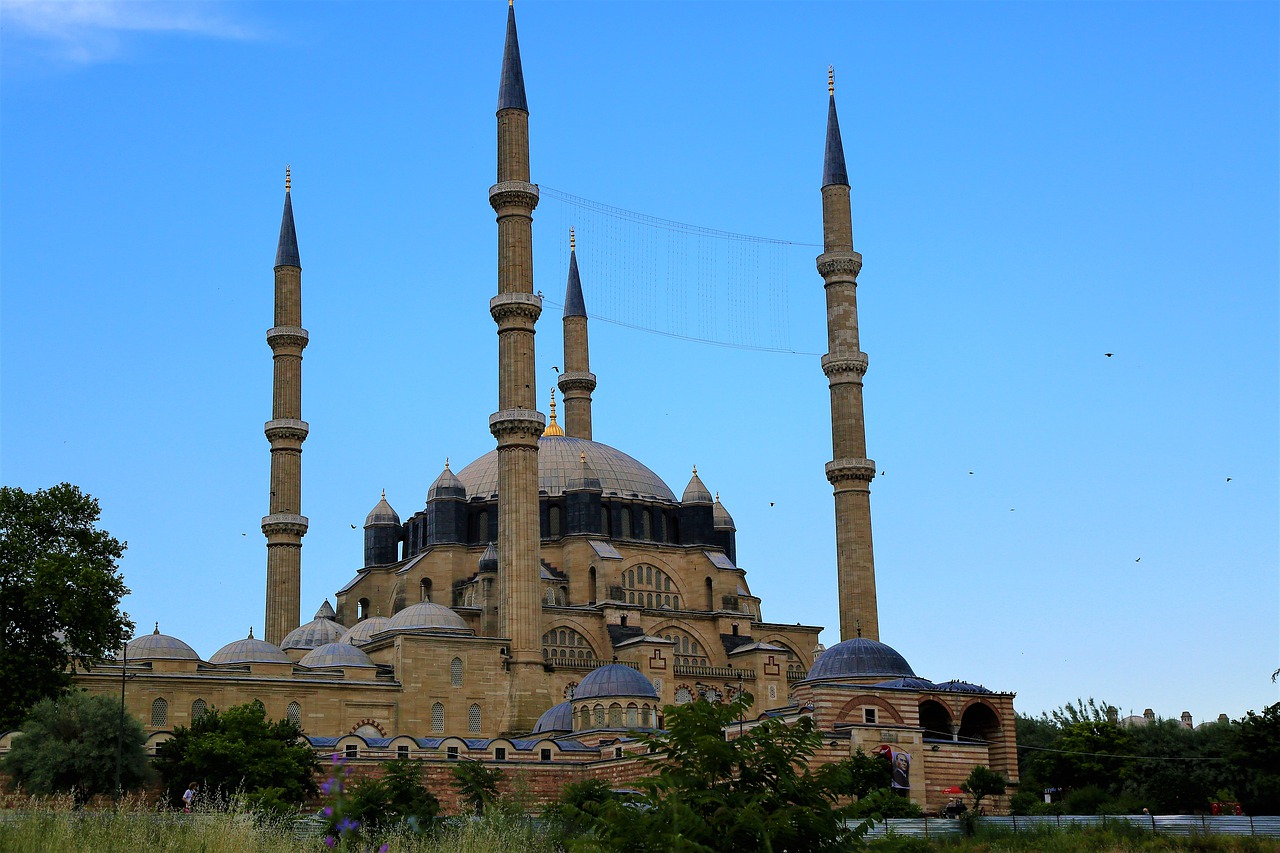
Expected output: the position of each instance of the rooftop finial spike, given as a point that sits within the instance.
(250, 632)
(287, 180)
(157, 631)
(553, 428)
(384, 494)
(831, 79)
(572, 245)
(833, 170)
(695, 469)
(511, 86)
(446, 463)
(287, 246)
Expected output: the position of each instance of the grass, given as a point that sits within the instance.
(1118, 839)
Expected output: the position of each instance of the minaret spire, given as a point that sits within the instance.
(517, 424)
(849, 472)
(285, 525)
(577, 382)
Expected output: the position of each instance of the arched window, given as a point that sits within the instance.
(683, 695)
(455, 672)
(550, 597)
(710, 601)
(553, 522)
(159, 713)
(673, 529)
(362, 611)
(198, 709)
(606, 522)
(257, 703)
(294, 713)
(424, 588)
(566, 643)
(473, 719)
(584, 717)
(591, 581)
(615, 716)
(646, 718)
(437, 717)
(643, 578)
(646, 524)
(625, 518)
(633, 715)
(935, 720)
(687, 650)
(598, 715)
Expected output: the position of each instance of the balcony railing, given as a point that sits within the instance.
(726, 672)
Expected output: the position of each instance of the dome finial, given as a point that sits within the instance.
(287, 180)
(446, 463)
(384, 494)
(695, 469)
(572, 244)
(553, 428)
(250, 632)
(157, 630)
(831, 79)
(583, 457)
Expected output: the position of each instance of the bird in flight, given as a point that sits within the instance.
(353, 527)
(1228, 479)
(1108, 354)
(1139, 560)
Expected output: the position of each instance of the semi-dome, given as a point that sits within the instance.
(557, 718)
(363, 631)
(560, 461)
(426, 615)
(312, 635)
(859, 658)
(614, 679)
(336, 654)
(447, 485)
(382, 513)
(157, 646)
(249, 650)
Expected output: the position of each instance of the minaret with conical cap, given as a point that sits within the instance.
(577, 382)
(517, 424)
(850, 472)
(285, 526)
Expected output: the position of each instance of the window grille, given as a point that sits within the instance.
(437, 717)
(455, 672)
(198, 709)
(159, 713)
(294, 713)
(473, 719)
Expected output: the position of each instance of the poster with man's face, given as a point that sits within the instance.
(900, 762)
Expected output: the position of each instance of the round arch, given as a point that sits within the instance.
(868, 699)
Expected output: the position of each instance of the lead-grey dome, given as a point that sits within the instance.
(720, 518)
(363, 631)
(426, 615)
(557, 718)
(447, 485)
(860, 657)
(312, 635)
(336, 654)
(382, 513)
(249, 650)
(157, 646)
(560, 462)
(614, 679)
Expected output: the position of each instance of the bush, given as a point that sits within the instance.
(883, 804)
(477, 784)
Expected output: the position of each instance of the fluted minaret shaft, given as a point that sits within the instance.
(577, 382)
(285, 525)
(850, 472)
(517, 424)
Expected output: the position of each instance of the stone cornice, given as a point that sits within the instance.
(284, 523)
(517, 426)
(286, 428)
(521, 195)
(840, 265)
(287, 336)
(577, 381)
(850, 470)
(523, 308)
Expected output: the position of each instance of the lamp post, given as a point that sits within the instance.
(124, 668)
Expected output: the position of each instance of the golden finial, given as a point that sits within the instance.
(287, 180)
(553, 428)
(384, 494)
(695, 470)
(584, 457)
(571, 243)
(717, 496)
(446, 463)
(831, 79)
(511, 2)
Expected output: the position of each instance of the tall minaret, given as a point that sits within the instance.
(517, 424)
(577, 382)
(285, 526)
(850, 472)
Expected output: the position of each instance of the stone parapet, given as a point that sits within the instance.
(512, 425)
(845, 369)
(287, 336)
(577, 381)
(846, 470)
(520, 195)
(286, 429)
(284, 523)
(515, 310)
(839, 265)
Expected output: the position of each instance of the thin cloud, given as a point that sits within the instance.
(87, 31)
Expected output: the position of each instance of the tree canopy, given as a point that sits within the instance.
(69, 743)
(236, 751)
(62, 593)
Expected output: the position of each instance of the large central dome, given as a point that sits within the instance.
(560, 460)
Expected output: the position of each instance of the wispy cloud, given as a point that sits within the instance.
(87, 31)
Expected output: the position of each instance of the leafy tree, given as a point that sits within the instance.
(1257, 754)
(238, 751)
(580, 805)
(882, 804)
(1091, 753)
(981, 782)
(477, 784)
(62, 593)
(70, 744)
(752, 792)
(397, 798)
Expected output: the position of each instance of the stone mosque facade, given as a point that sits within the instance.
(554, 595)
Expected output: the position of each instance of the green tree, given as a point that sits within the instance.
(755, 791)
(1257, 760)
(477, 784)
(239, 750)
(70, 744)
(982, 782)
(61, 597)
(397, 798)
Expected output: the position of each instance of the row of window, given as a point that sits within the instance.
(160, 712)
(615, 716)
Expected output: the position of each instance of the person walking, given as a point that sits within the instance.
(189, 797)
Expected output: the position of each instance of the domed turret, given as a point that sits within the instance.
(614, 680)
(157, 646)
(363, 631)
(447, 485)
(426, 616)
(336, 654)
(585, 478)
(557, 718)
(720, 518)
(860, 658)
(382, 534)
(489, 559)
(696, 492)
(249, 651)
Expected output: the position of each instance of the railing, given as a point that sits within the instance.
(586, 663)
(1263, 826)
(797, 675)
(725, 672)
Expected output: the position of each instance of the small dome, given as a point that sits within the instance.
(447, 485)
(859, 658)
(961, 687)
(157, 646)
(557, 718)
(720, 518)
(560, 459)
(382, 513)
(695, 492)
(489, 559)
(614, 679)
(426, 615)
(312, 635)
(249, 651)
(363, 631)
(336, 654)
(907, 683)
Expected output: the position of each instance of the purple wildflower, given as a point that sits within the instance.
(330, 841)
(327, 811)
(347, 825)
(327, 787)
(384, 848)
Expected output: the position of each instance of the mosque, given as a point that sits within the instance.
(555, 594)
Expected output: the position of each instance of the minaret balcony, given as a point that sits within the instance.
(845, 369)
(287, 336)
(515, 424)
(839, 265)
(521, 195)
(284, 523)
(286, 429)
(516, 310)
(575, 380)
(850, 470)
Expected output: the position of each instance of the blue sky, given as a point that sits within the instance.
(1034, 185)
